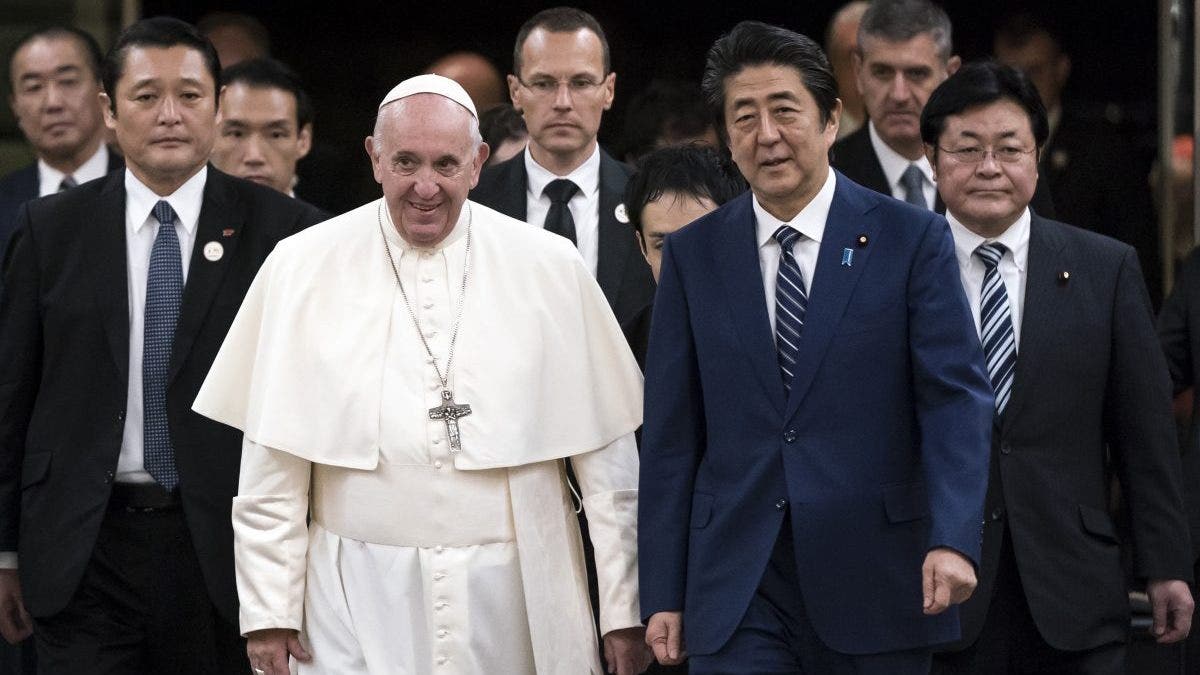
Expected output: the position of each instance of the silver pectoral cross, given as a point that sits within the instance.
(449, 412)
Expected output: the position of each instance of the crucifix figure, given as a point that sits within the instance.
(449, 411)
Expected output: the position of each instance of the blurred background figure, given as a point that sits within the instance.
(503, 129)
(672, 187)
(55, 77)
(841, 39)
(266, 124)
(476, 74)
(236, 36)
(1096, 177)
(666, 112)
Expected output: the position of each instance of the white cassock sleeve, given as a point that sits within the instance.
(270, 537)
(608, 479)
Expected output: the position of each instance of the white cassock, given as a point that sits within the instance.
(419, 559)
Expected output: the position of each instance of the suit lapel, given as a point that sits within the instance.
(832, 286)
(511, 200)
(736, 261)
(221, 210)
(109, 266)
(1043, 301)
(616, 237)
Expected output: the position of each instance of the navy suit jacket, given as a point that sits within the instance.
(20, 186)
(880, 453)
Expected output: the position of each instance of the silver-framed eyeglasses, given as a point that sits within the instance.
(974, 155)
(548, 86)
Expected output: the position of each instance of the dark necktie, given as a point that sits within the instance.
(164, 291)
(914, 186)
(995, 325)
(67, 183)
(558, 218)
(791, 303)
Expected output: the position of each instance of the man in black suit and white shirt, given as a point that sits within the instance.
(562, 84)
(55, 77)
(1082, 393)
(116, 497)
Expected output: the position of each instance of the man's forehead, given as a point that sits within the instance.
(265, 100)
(164, 64)
(551, 51)
(919, 50)
(765, 81)
(48, 52)
(997, 119)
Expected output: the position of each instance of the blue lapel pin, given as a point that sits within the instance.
(847, 257)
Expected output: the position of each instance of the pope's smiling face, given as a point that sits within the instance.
(424, 156)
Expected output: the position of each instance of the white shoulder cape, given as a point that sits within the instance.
(540, 357)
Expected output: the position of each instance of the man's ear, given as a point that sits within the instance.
(304, 140)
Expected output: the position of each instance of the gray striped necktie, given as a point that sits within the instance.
(67, 183)
(995, 325)
(791, 303)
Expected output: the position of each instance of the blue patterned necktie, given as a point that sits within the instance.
(914, 186)
(791, 303)
(995, 325)
(164, 291)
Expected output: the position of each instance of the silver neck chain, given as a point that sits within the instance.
(462, 294)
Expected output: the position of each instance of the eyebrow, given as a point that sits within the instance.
(69, 69)
(1007, 133)
(774, 96)
(187, 81)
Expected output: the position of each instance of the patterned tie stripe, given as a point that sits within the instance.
(791, 303)
(67, 183)
(995, 322)
(164, 292)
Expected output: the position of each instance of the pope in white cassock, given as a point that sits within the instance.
(412, 375)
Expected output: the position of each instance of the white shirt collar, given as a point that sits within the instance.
(49, 178)
(586, 175)
(894, 164)
(186, 201)
(1015, 239)
(810, 221)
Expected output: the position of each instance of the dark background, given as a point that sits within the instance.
(351, 52)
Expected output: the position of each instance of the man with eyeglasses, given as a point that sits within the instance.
(562, 83)
(1082, 392)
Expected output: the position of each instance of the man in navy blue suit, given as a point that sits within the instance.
(818, 411)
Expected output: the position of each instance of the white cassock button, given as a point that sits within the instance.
(438, 549)
(437, 441)
(438, 576)
(442, 634)
(433, 386)
(437, 464)
(428, 305)
(431, 334)
(441, 660)
(426, 280)
(428, 359)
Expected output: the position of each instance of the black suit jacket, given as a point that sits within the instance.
(64, 364)
(1091, 397)
(1099, 180)
(855, 156)
(20, 186)
(621, 270)
(1179, 331)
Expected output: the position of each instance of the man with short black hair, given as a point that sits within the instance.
(55, 78)
(670, 188)
(118, 294)
(814, 449)
(266, 124)
(562, 83)
(1082, 393)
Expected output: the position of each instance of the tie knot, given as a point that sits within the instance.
(560, 190)
(163, 213)
(787, 235)
(991, 254)
(67, 183)
(912, 178)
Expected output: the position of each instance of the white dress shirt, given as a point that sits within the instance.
(50, 178)
(894, 165)
(810, 222)
(141, 228)
(1014, 266)
(584, 206)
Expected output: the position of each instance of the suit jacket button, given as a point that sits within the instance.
(109, 476)
(1005, 449)
(781, 504)
(790, 435)
(997, 513)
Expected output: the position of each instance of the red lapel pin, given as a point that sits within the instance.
(227, 232)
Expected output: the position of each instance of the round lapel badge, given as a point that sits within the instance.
(621, 214)
(213, 251)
